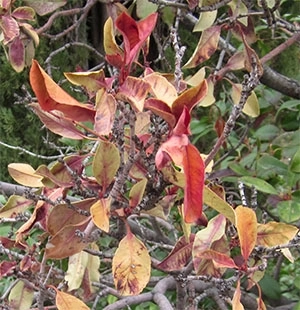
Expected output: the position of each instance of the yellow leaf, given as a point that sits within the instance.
(197, 78)
(236, 303)
(251, 107)
(110, 45)
(92, 267)
(24, 174)
(206, 19)
(100, 213)
(211, 199)
(136, 193)
(66, 301)
(209, 99)
(273, 233)
(20, 296)
(76, 268)
(246, 224)
(131, 266)
(239, 8)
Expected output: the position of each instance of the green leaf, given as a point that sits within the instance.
(268, 162)
(289, 211)
(267, 132)
(295, 163)
(145, 8)
(239, 169)
(259, 184)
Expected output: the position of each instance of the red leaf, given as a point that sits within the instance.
(179, 256)
(57, 123)
(52, 97)
(23, 12)
(219, 259)
(10, 28)
(246, 225)
(7, 268)
(193, 167)
(183, 125)
(16, 54)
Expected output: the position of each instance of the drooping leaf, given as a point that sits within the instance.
(259, 184)
(236, 299)
(179, 256)
(43, 7)
(66, 242)
(31, 33)
(273, 233)
(137, 192)
(211, 199)
(106, 163)
(21, 296)
(66, 301)
(193, 167)
(206, 47)
(135, 91)
(100, 213)
(246, 224)
(56, 122)
(52, 97)
(105, 112)
(15, 205)
(131, 266)
(16, 54)
(110, 45)
(251, 107)
(24, 174)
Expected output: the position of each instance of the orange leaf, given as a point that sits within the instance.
(193, 167)
(100, 213)
(236, 303)
(105, 112)
(246, 224)
(52, 97)
(273, 233)
(66, 301)
(24, 174)
(206, 47)
(131, 266)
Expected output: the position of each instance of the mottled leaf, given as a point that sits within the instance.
(246, 224)
(273, 233)
(10, 28)
(131, 266)
(23, 12)
(43, 7)
(206, 47)
(21, 296)
(57, 123)
(15, 205)
(106, 163)
(16, 54)
(24, 174)
(100, 212)
(179, 256)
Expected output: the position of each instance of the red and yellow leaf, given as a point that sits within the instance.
(24, 174)
(219, 259)
(15, 205)
(131, 266)
(206, 47)
(105, 112)
(106, 163)
(246, 224)
(52, 97)
(179, 256)
(273, 233)
(23, 12)
(100, 212)
(110, 45)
